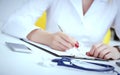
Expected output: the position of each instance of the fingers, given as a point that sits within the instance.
(58, 46)
(108, 56)
(113, 54)
(63, 44)
(94, 48)
(104, 51)
(98, 50)
(68, 39)
(76, 44)
(61, 41)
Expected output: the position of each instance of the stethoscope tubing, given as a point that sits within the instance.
(106, 68)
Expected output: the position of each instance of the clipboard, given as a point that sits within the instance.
(58, 55)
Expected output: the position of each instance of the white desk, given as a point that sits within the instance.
(13, 63)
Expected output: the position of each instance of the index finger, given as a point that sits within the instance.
(69, 39)
(94, 47)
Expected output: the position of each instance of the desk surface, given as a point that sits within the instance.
(14, 63)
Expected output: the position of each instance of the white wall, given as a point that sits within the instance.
(7, 7)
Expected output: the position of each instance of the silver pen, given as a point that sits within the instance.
(60, 28)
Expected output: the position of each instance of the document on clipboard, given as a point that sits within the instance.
(72, 53)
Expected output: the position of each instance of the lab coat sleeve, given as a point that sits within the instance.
(117, 21)
(21, 23)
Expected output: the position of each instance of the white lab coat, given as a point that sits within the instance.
(88, 29)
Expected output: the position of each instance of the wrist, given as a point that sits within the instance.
(39, 36)
(43, 37)
(31, 35)
(46, 38)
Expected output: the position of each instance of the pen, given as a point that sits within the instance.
(76, 44)
(60, 28)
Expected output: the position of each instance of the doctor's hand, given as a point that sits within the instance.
(104, 51)
(61, 41)
(58, 41)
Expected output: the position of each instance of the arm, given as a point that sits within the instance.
(58, 40)
(104, 51)
(21, 22)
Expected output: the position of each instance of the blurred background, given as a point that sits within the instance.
(7, 7)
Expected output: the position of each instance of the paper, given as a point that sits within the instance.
(71, 52)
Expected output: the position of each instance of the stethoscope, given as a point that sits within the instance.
(74, 63)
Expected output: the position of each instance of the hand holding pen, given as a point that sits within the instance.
(60, 41)
(76, 45)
